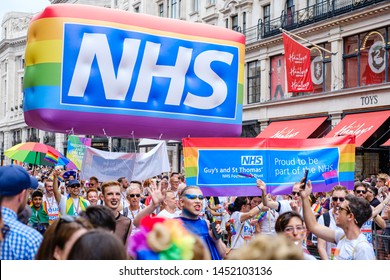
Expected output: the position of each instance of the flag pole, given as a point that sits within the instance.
(307, 41)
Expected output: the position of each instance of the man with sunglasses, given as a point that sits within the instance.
(73, 204)
(328, 219)
(284, 205)
(351, 244)
(361, 190)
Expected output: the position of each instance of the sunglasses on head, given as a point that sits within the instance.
(295, 193)
(66, 219)
(360, 191)
(75, 186)
(341, 199)
(135, 195)
(194, 196)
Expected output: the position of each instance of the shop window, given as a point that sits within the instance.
(278, 88)
(321, 68)
(366, 59)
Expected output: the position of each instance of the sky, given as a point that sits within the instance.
(30, 6)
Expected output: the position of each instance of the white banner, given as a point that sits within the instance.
(109, 166)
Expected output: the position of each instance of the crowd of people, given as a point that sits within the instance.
(50, 214)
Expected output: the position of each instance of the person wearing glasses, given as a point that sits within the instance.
(361, 190)
(73, 204)
(133, 195)
(328, 219)
(59, 238)
(241, 217)
(292, 226)
(282, 206)
(93, 182)
(351, 244)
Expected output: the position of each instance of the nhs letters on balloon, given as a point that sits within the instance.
(119, 74)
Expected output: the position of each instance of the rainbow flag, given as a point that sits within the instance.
(51, 157)
(61, 178)
(318, 208)
(261, 217)
(279, 163)
(331, 178)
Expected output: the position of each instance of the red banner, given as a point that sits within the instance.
(297, 66)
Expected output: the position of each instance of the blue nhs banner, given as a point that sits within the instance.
(117, 69)
(223, 167)
(274, 167)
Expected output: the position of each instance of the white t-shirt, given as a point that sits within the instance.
(366, 229)
(246, 232)
(52, 208)
(332, 225)
(268, 224)
(357, 249)
(166, 214)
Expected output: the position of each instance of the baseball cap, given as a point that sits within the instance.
(14, 179)
(73, 182)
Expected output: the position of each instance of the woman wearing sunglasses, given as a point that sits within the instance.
(191, 201)
(241, 218)
(60, 237)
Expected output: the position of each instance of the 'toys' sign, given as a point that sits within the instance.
(100, 71)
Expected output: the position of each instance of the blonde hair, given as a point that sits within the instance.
(268, 247)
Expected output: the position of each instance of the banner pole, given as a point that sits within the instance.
(307, 41)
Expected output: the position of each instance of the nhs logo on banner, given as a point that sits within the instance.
(251, 160)
(150, 74)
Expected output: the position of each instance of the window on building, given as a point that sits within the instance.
(278, 88)
(267, 17)
(161, 10)
(211, 2)
(136, 9)
(321, 68)
(179, 8)
(366, 58)
(195, 5)
(290, 12)
(235, 23)
(244, 22)
(250, 129)
(253, 82)
(173, 8)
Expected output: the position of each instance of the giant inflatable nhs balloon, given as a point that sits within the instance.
(108, 72)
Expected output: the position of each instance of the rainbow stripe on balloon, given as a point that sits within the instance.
(218, 165)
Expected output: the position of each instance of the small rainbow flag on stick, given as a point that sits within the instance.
(318, 208)
(51, 157)
(245, 175)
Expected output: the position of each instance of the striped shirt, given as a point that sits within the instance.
(20, 242)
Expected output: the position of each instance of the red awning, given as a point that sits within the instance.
(361, 125)
(387, 143)
(299, 129)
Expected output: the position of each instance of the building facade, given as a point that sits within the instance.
(349, 63)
